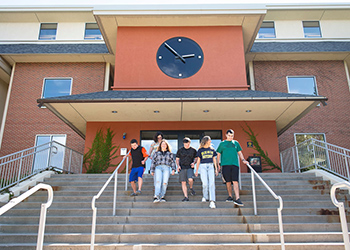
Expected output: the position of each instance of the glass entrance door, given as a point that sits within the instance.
(175, 138)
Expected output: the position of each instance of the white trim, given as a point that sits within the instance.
(347, 73)
(2, 129)
(107, 73)
(51, 135)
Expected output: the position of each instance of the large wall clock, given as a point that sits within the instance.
(179, 57)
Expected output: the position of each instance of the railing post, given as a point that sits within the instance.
(342, 215)
(81, 165)
(313, 149)
(50, 151)
(281, 158)
(126, 173)
(254, 194)
(20, 169)
(115, 192)
(346, 164)
(93, 226)
(70, 160)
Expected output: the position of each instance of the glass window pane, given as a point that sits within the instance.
(92, 32)
(267, 30)
(302, 85)
(312, 29)
(48, 31)
(56, 87)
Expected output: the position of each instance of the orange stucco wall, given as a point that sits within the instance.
(266, 131)
(223, 66)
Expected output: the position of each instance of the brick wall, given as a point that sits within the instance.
(333, 120)
(25, 119)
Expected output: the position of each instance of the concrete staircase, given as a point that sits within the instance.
(310, 219)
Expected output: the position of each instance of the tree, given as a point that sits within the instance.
(99, 157)
(265, 159)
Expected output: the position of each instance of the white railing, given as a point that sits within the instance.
(23, 164)
(319, 155)
(93, 202)
(277, 197)
(342, 215)
(44, 207)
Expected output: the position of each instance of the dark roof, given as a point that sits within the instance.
(177, 95)
(264, 47)
(53, 49)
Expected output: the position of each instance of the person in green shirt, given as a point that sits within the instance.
(228, 152)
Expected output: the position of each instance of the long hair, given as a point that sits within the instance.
(167, 145)
(155, 138)
(204, 141)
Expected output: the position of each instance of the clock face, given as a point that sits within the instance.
(180, 57)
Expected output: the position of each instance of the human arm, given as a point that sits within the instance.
(198, 162)
(215, 166)
(240, 154)
(218, 161)
(178, 164)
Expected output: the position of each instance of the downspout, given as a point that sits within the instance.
(107, 73)
(2, 129)
(251, 76)
(347, 73)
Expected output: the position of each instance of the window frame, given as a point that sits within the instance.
(56, 78)
(274, 30)
(319, 27)
(41, 28)
(295, 134)
(86, 24)
(303, 76)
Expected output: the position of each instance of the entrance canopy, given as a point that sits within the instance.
(207, 105)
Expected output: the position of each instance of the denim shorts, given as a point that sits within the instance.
(186, 174)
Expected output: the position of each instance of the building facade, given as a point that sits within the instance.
(68, 73)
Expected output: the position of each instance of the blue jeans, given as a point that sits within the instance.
(161, 176)
(208, 180)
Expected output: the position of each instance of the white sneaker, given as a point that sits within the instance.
(212, 204)
(204, 200)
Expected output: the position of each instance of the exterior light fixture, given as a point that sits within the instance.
(206, 111)
(248, 111)
(114, 111)
(156, 111)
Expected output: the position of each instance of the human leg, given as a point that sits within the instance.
(158, 175)
(236, 189)
(227, 177)
(140, 175)
(190, 179)
(133, 186)
(132, 180)
(183, 180)
(211, 179)
(184, 188)
(204, 179)
(165, 179)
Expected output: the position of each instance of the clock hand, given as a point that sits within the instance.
(174, 51)
(185, 56)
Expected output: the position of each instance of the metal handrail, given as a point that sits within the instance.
(342, 215)
(93, 202)
(277, 197)
(44, 207)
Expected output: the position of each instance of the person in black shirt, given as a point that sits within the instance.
(185, 160)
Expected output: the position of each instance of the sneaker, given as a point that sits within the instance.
(133, 194)
(138, 192)
(212, 204)
(192, 192)
(185, 199)
(229, 199)
(156, 200)
(204, 199)
(162, 199)
(238, 202)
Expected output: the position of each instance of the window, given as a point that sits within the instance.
(312, 29)
(267, 30)
(48, 31)
(309, 155)
(41, 160)
(92, 32)
(57, 87)
(302, 85)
